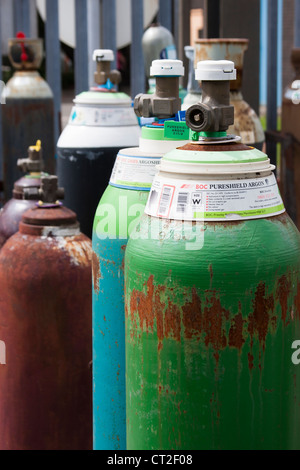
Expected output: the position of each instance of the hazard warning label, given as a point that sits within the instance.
(215, 200)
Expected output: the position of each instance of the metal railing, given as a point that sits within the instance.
(95, 26)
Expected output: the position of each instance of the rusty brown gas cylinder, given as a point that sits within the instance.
(45, 334)
(25, 193)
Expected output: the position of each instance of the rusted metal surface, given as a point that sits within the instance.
(246, 121)
(223, 49)
(205, 316)
(96, 272)
(215, 147)
(210, 331)
(45, 323)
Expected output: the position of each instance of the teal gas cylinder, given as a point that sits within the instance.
(118, 211)
(212, 306)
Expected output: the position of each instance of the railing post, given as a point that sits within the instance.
(137, 75)
(272, 75)
(109, 27)
(81, 49)
(93, 19)
(212, 18)
(297, 24)
(22, 16)
(53, 65)
(165, 14)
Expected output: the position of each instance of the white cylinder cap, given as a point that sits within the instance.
(167, 68)
(103, 55)
(215, 70)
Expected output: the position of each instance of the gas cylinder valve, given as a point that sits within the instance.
(49, 190)
(34, 162)
(103, 59)
(48, 193)
(214, 113)
(164, 102)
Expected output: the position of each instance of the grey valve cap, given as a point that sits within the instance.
(165, 101)
(214, 113)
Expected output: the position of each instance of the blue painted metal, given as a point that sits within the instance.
(81, 50)
(109, 402)
(165, 14)
(109, 426)
(109, 27)
(53, 64)
(137, 78)
(272, 75)
(22, 16)
(94, 29)
(176, 26)
(297, 24)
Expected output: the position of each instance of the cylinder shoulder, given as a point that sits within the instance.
(190, 246)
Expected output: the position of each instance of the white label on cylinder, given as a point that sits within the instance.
(214, 200)
(2, 353)
(134, 172)
(96, 116)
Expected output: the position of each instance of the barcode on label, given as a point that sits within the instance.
(165, 200)
(182, 201)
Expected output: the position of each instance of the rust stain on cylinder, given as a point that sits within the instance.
(192, 316)
(297, 301)
(96, 272)
(282, 294)
(202, 317)
(232, 147)
(221, 48)
(258, 321)
(236, 338)
(45, 321)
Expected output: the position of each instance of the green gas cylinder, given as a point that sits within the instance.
(212, 296)
(118, 211)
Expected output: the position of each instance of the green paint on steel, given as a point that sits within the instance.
(190, 156)
(212, 310)
(153, 133)
(213, 134)
(119, 212)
